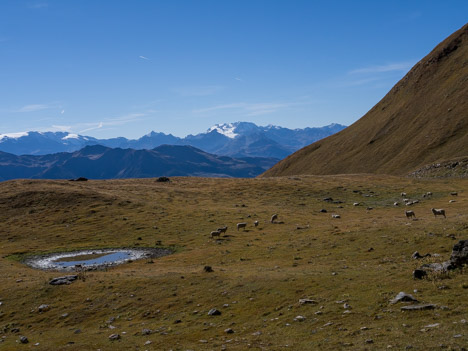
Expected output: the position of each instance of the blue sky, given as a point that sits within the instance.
(124, 68)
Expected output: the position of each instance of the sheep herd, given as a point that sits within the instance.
(408, 213)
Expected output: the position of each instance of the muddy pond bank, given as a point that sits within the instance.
(92, 259)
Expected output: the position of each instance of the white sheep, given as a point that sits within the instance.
(241, 225)
(410, 214)
(215, 233)
(403, 194)
(273, 218)
(356, 204)
(336, 216)
(438, 212)
(256, 223)
(396, 203)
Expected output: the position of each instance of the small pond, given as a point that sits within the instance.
(93, 259)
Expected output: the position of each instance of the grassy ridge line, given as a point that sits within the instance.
(261, 274)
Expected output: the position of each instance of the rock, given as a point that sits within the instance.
(328, 199)
(43, 308)
(23, 339)
(459, 253)
(419, 273)
(416, 255)
(15, 330)
(214, 312)
(146, 332)
(369, 341)
(402, 296)
(428, 306)
(163, 179)
(228, 331)
(307, 301)
(80, 179)
(113, 337)
(65, 280)
(207, 269)
(437, 267)
(323, 210)
(299, 319)
(346, 306)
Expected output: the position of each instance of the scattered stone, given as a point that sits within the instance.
(402, 296)
(418, 307)
(65, 280)
(177, 321)
(65, 315)
(214, 312)
(257, 333)
(370, 249)
(346, 306)
(23, 339)
(416, 255)
(43, 308)
(328, 199)
(148, 342)
(80, 179)
(146, 332)
(307, 301)
(435, 325)
(323, 210)
(163, 179)
(15, 330)
(228, 331)
(113, 337)
(459, 253)
(369, 341)
(299, 319)
(419, 273)
(208, 269)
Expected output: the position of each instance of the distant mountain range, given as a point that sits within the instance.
(240, 139)
(100, 162)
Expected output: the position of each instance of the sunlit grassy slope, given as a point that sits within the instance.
(363, 259)
(422, 120)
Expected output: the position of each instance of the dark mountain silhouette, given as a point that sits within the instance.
(100, 162)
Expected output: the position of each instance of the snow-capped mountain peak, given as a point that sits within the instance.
(13, 135)
(226, 129)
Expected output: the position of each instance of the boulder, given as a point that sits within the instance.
(65, 280)
(459, 255)
(428, 306)
(214, 312)
(402, 296)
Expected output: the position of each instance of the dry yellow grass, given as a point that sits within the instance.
(259, 275)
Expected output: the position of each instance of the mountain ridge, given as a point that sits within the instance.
(99, 162)
(421, 120)
(277, 142)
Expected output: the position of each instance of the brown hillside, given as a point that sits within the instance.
(423, 119)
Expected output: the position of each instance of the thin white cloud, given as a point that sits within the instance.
(62, 112)
(118, 121)
(251, 109)
(400, 66)
(238, 79)
(34, 108)
(38, 5)
(197, 90)
(144, 58)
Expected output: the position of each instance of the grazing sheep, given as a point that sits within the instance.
(273, 218)
(438, 212)
(403, 194)
(241, 225)
(428, 193)
(336, 216)
(222, 229)
(215, 233)
(396, 203)
(406, 200)
(256, 223)
(454, 193)
(356, 204)
(410, 214)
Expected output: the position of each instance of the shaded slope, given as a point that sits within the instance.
(423, 119)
